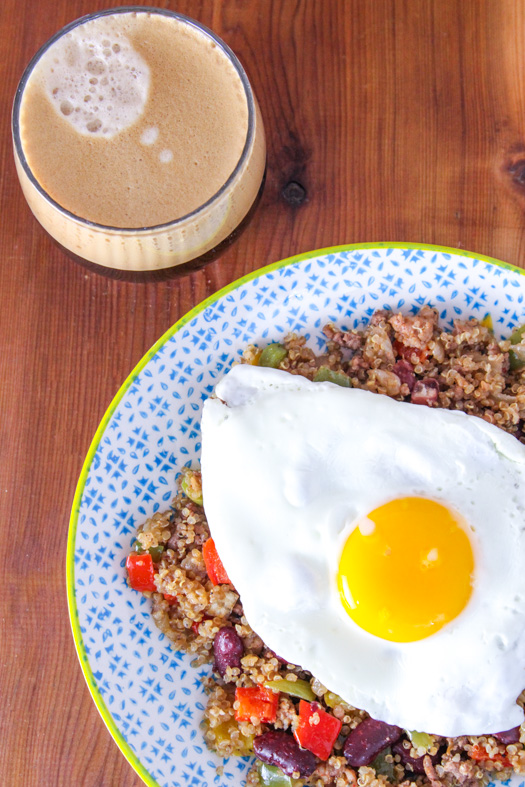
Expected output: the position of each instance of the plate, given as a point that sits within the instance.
(149, 696)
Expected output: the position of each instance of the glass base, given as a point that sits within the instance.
(176, 271)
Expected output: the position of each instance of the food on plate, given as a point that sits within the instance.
(361, 492)
(300, 727)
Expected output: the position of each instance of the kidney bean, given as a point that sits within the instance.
(405, 372)
(425, 391)
(227, 649)
(282, 750)
(368, 739)
(413, 764)
(508, 736)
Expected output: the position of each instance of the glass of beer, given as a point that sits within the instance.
(138, 141)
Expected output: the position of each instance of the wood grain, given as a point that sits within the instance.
(400, 120)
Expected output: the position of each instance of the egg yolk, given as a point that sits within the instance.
(406, 570)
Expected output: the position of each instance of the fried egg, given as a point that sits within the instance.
(378, 544)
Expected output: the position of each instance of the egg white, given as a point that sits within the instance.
(290, 466)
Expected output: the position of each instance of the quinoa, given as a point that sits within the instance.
(406, 357)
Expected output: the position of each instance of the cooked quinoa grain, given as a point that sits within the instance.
(406, 357)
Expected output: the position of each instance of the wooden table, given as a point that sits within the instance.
(400, 120)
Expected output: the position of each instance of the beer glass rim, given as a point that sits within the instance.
(15, 122)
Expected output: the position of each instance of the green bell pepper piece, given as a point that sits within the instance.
(382, 765)
(187, 487)
(272, 355)
(517, 356)
(420, 740)
(155, 552)
(326, 375)
(296, 688)
(271, 776)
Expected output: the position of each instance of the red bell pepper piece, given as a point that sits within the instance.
(141, 572)
(317, 730)
(196, 623)
(214, 568)
(480, 754)
(408, 353)
(256, 701)
(170, 599)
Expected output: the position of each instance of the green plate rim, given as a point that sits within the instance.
(117, 736)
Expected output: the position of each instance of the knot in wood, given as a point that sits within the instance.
(294, 194)
(517, 170)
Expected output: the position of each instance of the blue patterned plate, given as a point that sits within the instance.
(149, 696)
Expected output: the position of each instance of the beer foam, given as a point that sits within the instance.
(149, 136)
(176, 155)
(96, 80)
